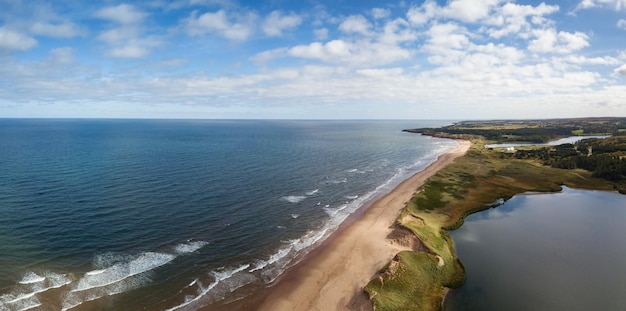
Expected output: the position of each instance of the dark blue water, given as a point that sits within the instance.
(562, 251)
(155, 214)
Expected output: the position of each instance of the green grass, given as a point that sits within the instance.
(414, 281)
(397, 292)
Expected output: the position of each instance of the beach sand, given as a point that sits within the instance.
(333, 277)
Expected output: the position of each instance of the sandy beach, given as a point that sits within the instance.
(333, 277)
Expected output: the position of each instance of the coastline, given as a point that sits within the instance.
(333, 277)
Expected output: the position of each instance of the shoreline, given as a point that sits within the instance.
(332, 277)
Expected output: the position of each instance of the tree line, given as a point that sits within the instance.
(605, 158)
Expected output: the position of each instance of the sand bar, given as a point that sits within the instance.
(334, 277)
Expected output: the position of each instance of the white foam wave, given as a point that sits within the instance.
(13, 301)
(354, 170)
(227, 273)
(118, 272)
(351, 197)
(53, 281)
(220, 276)
(313, 192)
(294, 216)
(31, 277)
(121, 276)
(309, 240)
(29, 307)
(114, 274)
(275, 258)
(294, 198)
(95, 272)
(337, 181)
(333, 211)
(189, 247)
(24, 295)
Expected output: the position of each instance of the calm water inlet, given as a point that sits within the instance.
(562, 251)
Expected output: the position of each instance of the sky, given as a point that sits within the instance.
(312, 59)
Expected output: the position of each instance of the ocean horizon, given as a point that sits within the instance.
(104, 214)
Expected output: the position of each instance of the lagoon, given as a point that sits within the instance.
(566, 140)
(561, 251)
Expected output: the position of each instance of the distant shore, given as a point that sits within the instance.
(333, 277)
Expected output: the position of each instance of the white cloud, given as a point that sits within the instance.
(318, 50)
(355, 24)
(119, 35)
(13, 40)
(549, 41)
(129, 51)
(63, 55)
(220, 23)
(180, 4)
(446, 37)
(380, 73)
(321, 33)
(469, 10)
(128, 39)
(512, 18)
(582, 60)
(397, 31)
(122, 13)
(269, 55)
(175, 62)
(621, 24)
(275, 23)
(612, 4)
(475, 59)
(585, 4)
(358, 53)
(380, 13)
(58, 30)
(424, 13)
(498, 17)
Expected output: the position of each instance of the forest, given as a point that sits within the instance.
(605, 158)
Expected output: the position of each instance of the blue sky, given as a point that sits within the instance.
(458, 59)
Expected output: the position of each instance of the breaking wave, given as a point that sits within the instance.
(113, 274)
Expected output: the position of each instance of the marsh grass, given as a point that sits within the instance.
(423, 290)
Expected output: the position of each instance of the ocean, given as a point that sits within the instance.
(182, 214)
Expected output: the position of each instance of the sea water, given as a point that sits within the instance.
(181, 214)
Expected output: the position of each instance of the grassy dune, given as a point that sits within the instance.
(474, 182)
